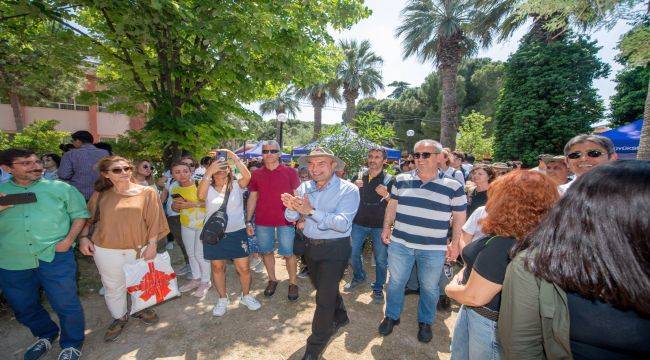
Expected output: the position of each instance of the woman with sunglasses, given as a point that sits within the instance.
(128, 221)
(585, 152)
(143, 174)
(218, 181)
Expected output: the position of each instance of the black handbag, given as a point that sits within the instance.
(214, 228)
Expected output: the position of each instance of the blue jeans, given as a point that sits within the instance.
(400, 262)
(58, 279)
(414, 284)
(266, 239)
(475, 337)
(379, 250)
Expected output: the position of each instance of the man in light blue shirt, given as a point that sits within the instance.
(328, 205)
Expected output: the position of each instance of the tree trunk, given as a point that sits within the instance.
(449, 110)
(350, 96)
(318, 102)
(643, 153)
(278, 125)
(171, 153)
(18, 115)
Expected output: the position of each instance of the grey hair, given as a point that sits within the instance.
(599, 140)
(428, 142)
(271, 143)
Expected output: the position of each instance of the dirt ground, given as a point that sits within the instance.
(187, 329)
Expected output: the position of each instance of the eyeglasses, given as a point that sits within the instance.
(28, 163)
(271, 151)
(590, 153)
(120, 170)
(424, 155)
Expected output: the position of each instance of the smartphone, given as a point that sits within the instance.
(17, 199)
(177, 196)
(221, 156)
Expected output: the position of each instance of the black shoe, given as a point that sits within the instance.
(444, 304)
(408, 291)
(424, 334)
(310, 356)
(386, 326)
(340, 324)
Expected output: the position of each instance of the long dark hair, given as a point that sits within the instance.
(596, 241)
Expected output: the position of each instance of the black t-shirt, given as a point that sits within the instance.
(476, 199)
(489, 257)
(371, 207)
(601, 331)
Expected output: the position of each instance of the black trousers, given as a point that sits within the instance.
(327, 260)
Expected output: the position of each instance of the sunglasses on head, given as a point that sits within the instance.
(120, 170)
(424, 155)
(271, 151)
(590, 153)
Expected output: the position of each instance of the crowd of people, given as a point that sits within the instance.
(550, 262)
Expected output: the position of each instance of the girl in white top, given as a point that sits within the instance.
(216, 182)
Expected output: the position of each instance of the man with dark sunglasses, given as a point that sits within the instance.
(267, 184)
(415, 228)
(584, 152)
(36, 252)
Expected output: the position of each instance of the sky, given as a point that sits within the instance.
(380, 27)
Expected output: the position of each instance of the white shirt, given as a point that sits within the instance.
(472, 226)
(235, 208)
(564, 187)
(455, 174)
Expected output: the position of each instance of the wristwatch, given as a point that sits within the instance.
(248, 223)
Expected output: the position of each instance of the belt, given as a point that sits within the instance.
(317, 242)
(485, 312)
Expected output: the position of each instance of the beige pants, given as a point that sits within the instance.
(110, 263)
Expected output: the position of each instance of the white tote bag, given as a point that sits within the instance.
(150, 282)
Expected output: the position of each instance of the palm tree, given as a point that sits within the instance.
(358, 73)
(400, 87)
(444, 31)
(284, 102)
(319, 94)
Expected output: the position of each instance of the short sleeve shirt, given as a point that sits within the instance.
(193, 217)
(234, 210)
(472, 226)
(269, 185)
(489, 257)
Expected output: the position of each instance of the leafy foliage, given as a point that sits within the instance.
(40, 136)
(473, 137)
(339, 139)
(369, 126)
(548, 97)
(319, 94)
(631, 89)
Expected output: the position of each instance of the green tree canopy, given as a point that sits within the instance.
(548, 97)
(628, 102)
(41, 137)
(473, 137)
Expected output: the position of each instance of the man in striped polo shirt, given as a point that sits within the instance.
(421, 206)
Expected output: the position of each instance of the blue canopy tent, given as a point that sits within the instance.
(626, 139)
(392, 154)
(257, 152)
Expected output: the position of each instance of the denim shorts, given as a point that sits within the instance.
(266, 236)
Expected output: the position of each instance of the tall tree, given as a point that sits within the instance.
(400, 87)
(548, 97)
(285, 102)
(39, 60)
(444, 31)
(628, 102)
(359, 73)
(318, 95)
(196, 62)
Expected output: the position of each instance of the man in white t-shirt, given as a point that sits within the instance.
(584, 152)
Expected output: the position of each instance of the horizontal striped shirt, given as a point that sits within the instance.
(424, 210)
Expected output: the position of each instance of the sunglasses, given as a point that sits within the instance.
(590, 153)
(424, 155)
(120, 170)
(272, 151)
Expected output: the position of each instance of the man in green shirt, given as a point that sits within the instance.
(35, 252)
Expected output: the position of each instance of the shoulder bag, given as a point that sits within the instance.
(214, 228)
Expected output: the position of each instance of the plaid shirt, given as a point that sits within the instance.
(78, 168)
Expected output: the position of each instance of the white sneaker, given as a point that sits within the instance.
(250, 302)
(221, 307)
(191, 285)
(202, 290)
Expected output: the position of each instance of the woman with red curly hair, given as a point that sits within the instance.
(517, 203)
